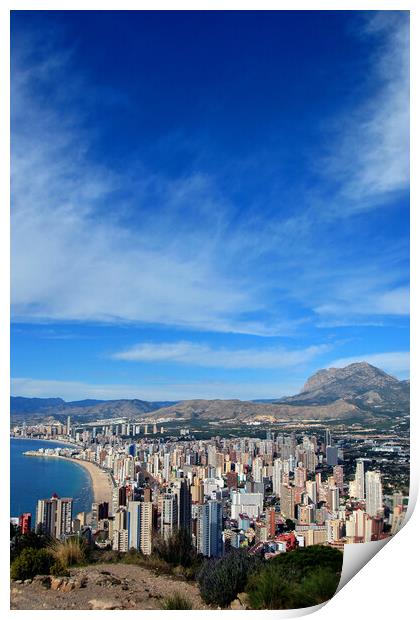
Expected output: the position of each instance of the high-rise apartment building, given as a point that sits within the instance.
(64, 517)
(210, 541)
(169, 514)
(250, 504)
(54, 516)
(338, 475)
(182, 491)
(277, 476)
(332, 456)
(287, 501)
(120, 531)
(374, 502)
(360, 479)
(25, 522)
(139, 526)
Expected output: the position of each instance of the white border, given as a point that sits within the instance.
(386, 587)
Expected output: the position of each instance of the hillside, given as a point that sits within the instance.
(101, 587)
(85, 410)
(361, 384)
(246, 411)
(356, 391)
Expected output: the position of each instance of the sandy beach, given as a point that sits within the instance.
(101, 480)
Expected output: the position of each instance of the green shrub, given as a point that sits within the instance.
(24, 541)
(221, 580)
(177, 601)
(58, 569)
(272, 590)
(31, 562)
(300, 578)
(301, 561)
(320, 585)
(177, 550)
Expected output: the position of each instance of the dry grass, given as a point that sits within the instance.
(177, 601)
(69, 552)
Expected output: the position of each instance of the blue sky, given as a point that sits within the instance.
(207, 204)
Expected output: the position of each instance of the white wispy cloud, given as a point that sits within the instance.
(92, 245)
(75, 390)
(395, 363)
(370, 158)
(204, 355)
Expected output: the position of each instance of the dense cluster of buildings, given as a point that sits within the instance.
(268, 495)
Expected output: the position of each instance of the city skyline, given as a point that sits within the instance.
(212, 217)
(241, 492)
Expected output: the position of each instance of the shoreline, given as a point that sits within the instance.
(62, 443)
(100, 479)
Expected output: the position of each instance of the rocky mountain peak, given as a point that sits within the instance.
(357, 376)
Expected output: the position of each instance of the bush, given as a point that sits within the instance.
(221, 580)
(297, 579)
(301, 561)
(69, 552)
(58, 570)
(272, 590)
(31, 562)
(177, 601)
(177, 550)
(319, 586)
(29, 540)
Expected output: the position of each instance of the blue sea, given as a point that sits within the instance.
(33, 478)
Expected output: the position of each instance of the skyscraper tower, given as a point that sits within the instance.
(210, 541)
(277, 476)
(374, 504)
(327, 438)
(184, 505)
(360, 479)
(169, 514)
(64, 517)
(54, 516)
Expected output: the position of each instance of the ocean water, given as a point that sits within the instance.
(33, 478)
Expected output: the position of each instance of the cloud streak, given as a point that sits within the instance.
(203, 355)
(370, 160)
(91, 244)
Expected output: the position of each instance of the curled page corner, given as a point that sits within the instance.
(356, 556)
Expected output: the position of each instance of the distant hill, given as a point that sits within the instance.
(356, 391)
(361, 384)
(20, 404)
(83, 410)
(246, 411)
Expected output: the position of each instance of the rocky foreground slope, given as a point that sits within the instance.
(103, 586)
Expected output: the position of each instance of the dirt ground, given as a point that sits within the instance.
(103, 586)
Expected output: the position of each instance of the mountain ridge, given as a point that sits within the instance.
(357, 390)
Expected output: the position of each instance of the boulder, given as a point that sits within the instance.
(244, 600)
(68, 586)
(56, 582)
(102, 604)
